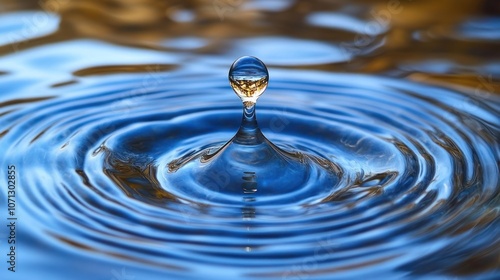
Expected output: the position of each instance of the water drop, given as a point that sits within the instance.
(248, 77)
(249, 168)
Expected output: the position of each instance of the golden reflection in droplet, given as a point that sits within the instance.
(249, 89)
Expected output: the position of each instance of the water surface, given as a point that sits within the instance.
(98, 97)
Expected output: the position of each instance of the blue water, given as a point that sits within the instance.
(92, 123)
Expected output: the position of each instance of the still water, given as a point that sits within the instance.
(389, 110)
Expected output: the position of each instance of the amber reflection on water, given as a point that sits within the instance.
(145, 23)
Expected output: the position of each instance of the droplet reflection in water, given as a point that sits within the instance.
(252, 164)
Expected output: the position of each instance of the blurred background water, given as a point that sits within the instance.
(97, 97)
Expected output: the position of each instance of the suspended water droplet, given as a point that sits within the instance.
(248, 77)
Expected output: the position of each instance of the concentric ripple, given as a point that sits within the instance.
(417, 193)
